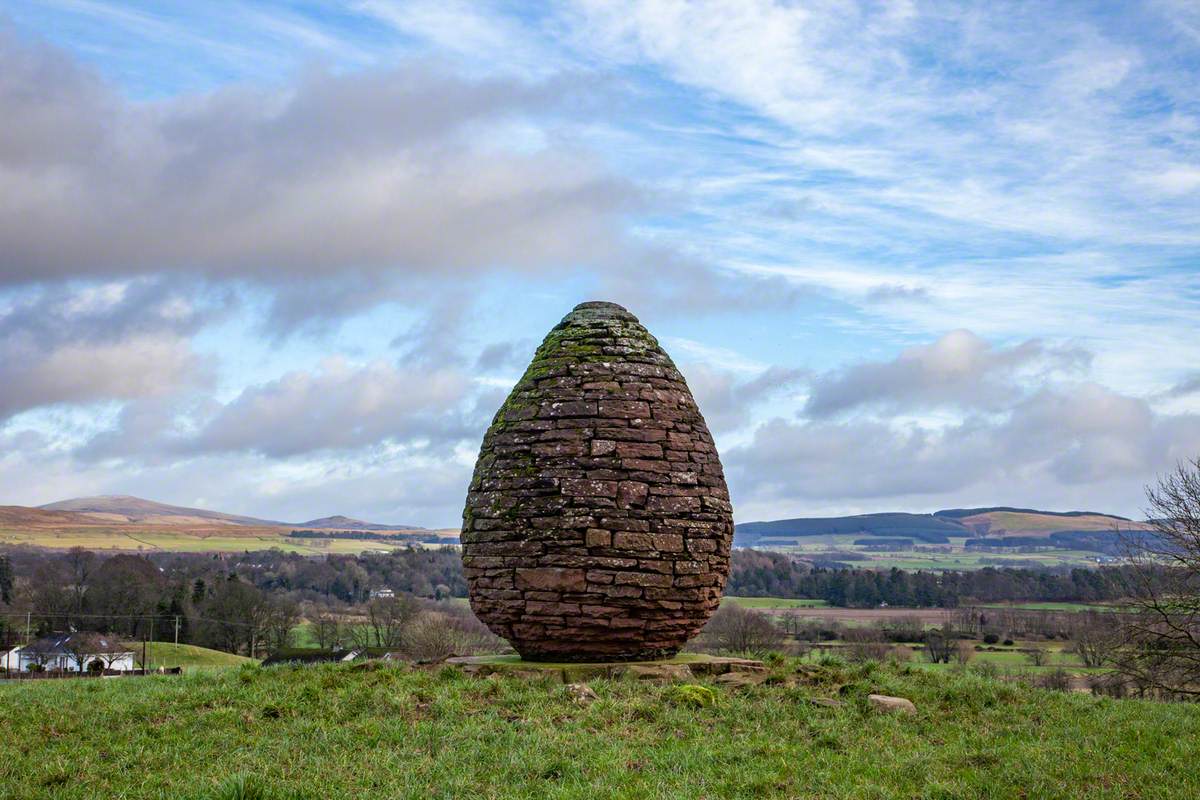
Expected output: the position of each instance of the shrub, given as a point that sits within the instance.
(939, 645)
(986, 669)
(429, 637)
(1038, 656)
(1109, 684)
(692, 694)
(990, 638)
(1056, 679)
(736, 629)
(1008, 642)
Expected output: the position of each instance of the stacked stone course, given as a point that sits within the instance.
(598, 523)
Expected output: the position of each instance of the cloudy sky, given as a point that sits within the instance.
(286, 259)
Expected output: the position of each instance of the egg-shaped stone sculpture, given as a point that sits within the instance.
(598, 523)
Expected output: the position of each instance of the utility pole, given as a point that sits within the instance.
(28, 625)
(176, 629)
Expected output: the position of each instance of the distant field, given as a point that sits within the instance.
(208, 539)
(1054, 606)
(775, 602)
(862, 616)
(954, 557)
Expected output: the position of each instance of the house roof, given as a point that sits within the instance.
(69, 643)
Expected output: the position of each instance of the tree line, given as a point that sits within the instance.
(757, 573)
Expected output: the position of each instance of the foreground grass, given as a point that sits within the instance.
(340, 731)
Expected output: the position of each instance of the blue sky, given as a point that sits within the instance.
(285, 259)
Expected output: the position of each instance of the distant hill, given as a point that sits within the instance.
(120, 509)
(959, 513)
(124, 509)
(1000, 526)
(340, 523)
(37, 517)
(922, 527)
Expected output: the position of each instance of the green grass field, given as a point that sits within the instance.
(958, 558)
(342, 731)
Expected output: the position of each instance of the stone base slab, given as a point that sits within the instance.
(681, 667)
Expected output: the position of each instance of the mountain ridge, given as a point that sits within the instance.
(128, 509)
(1000, 525)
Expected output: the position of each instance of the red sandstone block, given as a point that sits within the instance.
(626, 540)
(598, 538)
(667, 542)
(550, 609)
(589, 488)
(622, 409)
(642, 579)
(622, 590)
(672, 505)
(566, 408)
(551, 579)
(639, 450)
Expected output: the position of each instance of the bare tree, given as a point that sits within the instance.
(1038, 656)
(1161, 642)
(234, 617)
(327, 630)
(964, 652)
(280, 616)
(6, 579)
(866, 644)
(939, 644)
(1096, 637)
(79, 565)
(736, 629)
(386, 618)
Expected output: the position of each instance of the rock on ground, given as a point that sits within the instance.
(891, 705)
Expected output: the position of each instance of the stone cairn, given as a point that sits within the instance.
(598, 524)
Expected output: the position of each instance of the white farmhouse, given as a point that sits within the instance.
(75, 652)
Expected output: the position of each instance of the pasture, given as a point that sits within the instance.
(376, 730)
(194, 539)
(951, 556)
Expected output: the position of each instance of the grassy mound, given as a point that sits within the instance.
(166, 654)
(387, 731)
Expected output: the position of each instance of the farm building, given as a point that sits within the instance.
(74, 652)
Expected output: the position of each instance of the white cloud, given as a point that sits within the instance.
(340, 407)
(370, 174)
(959, 369)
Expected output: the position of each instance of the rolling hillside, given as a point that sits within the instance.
(922, 527)
(1000, 526)
(122, 522)
(124, 509)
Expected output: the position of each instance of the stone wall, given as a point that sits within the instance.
(598, 523)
